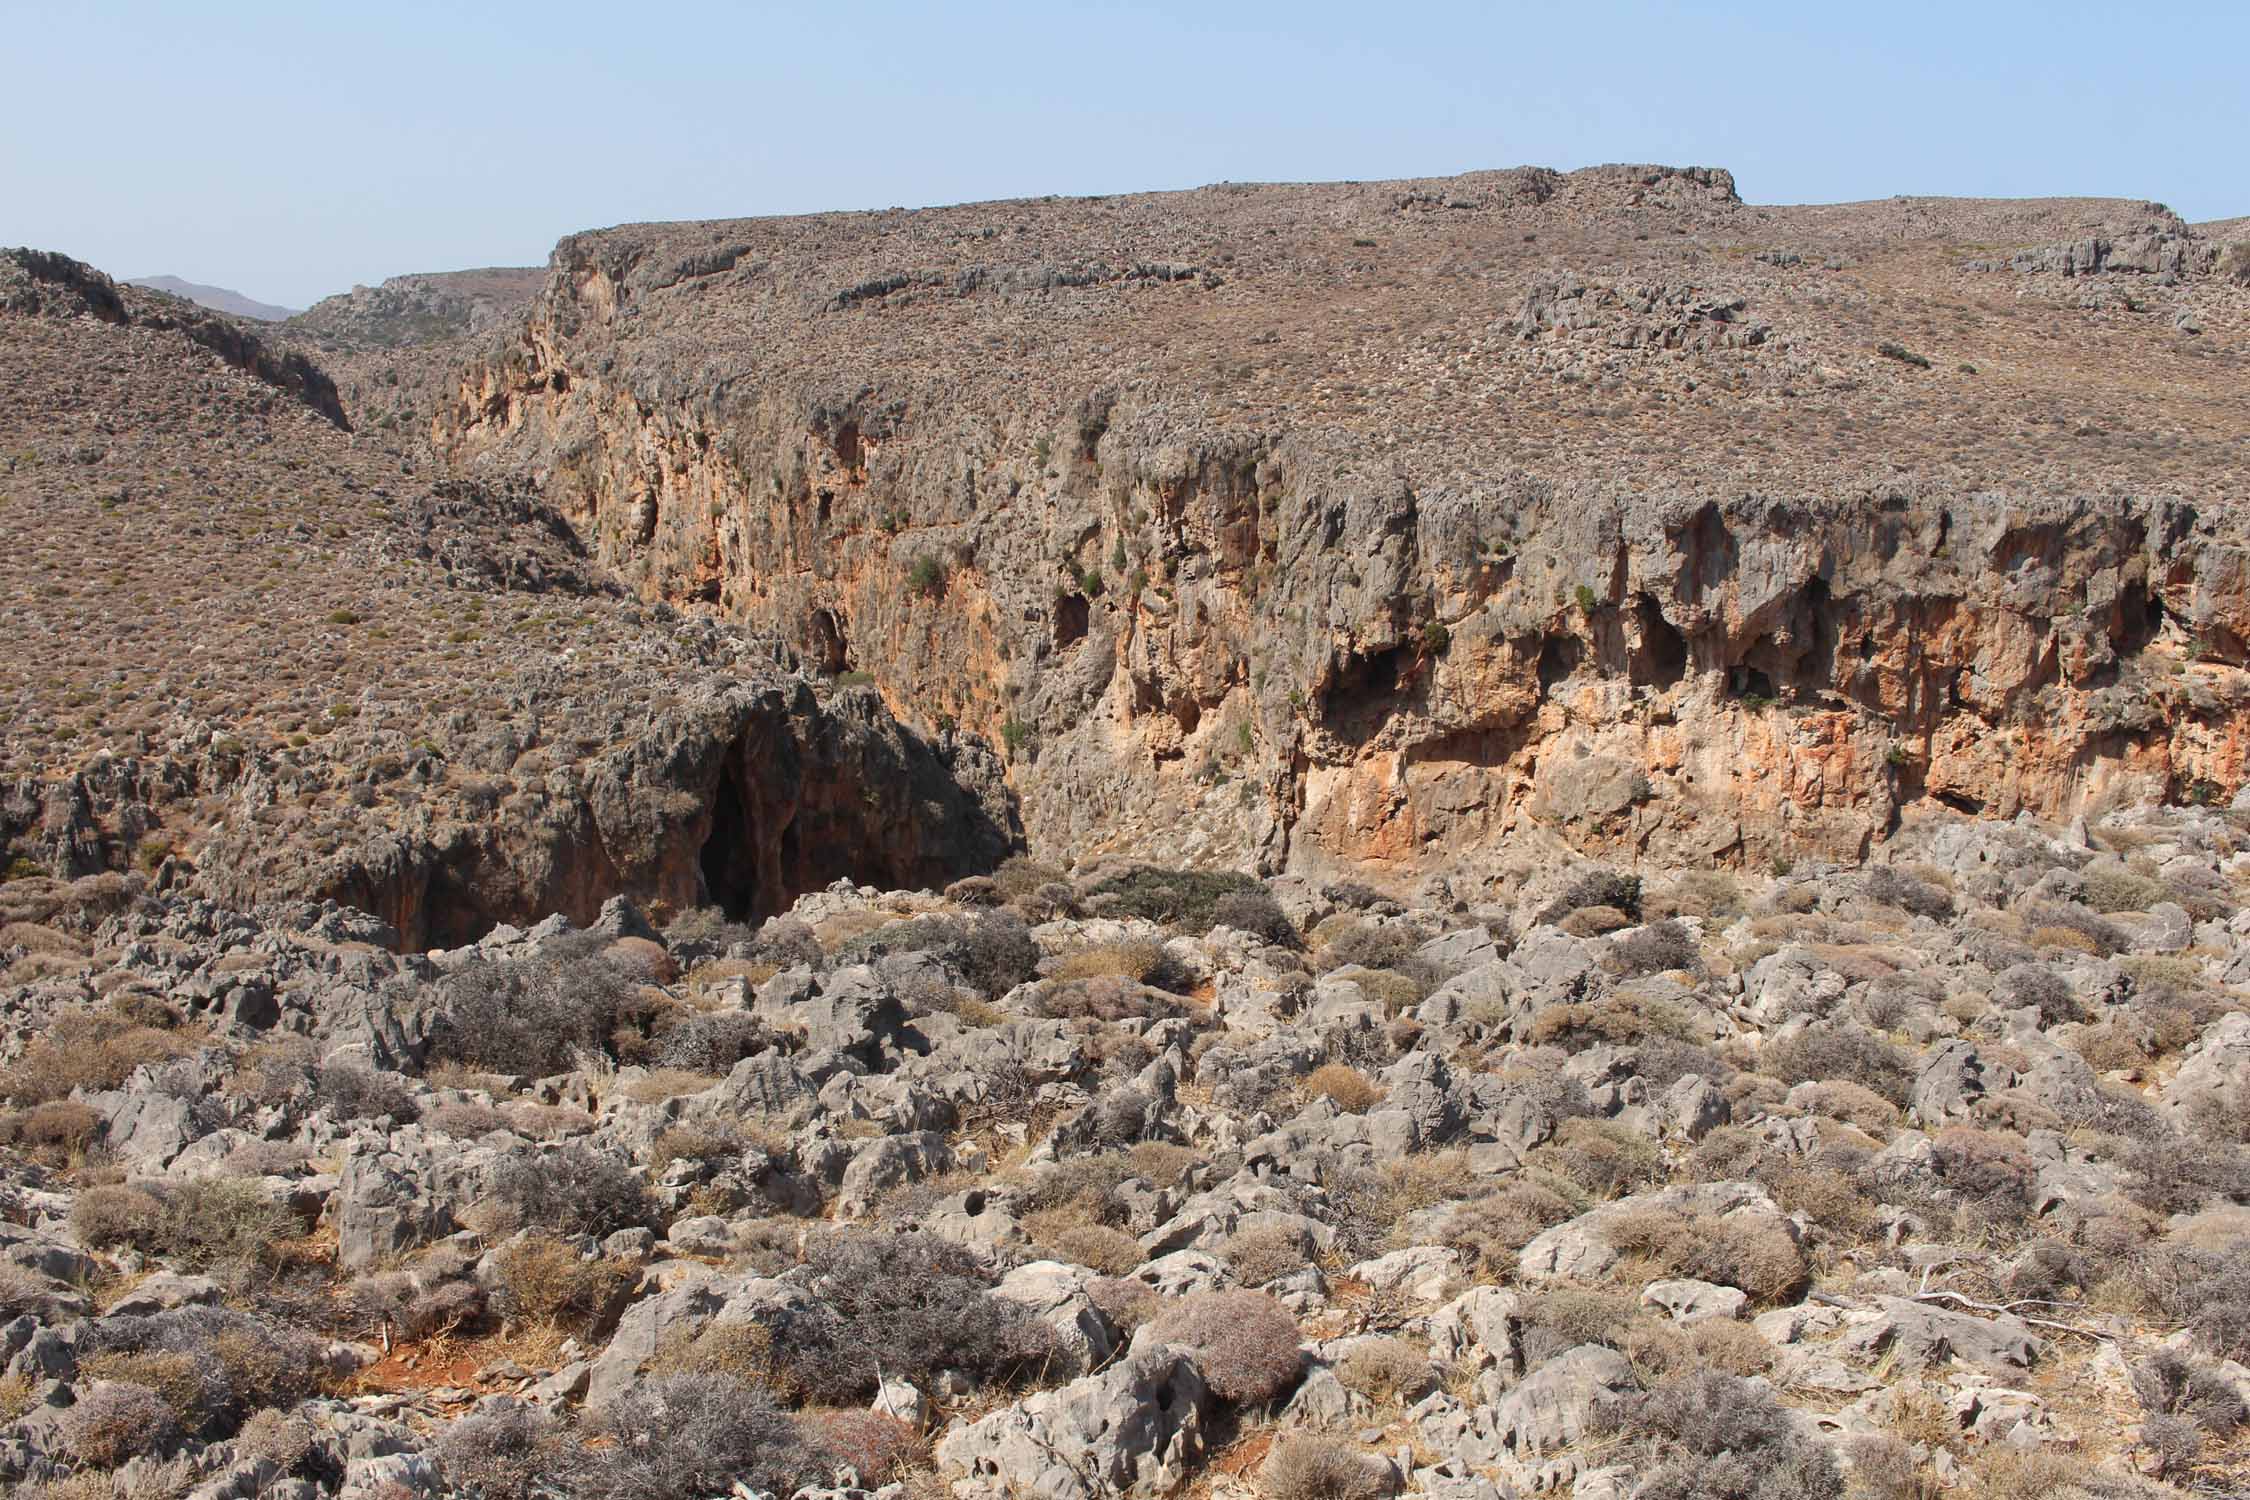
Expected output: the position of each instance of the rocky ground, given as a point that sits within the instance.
(1924, 1177)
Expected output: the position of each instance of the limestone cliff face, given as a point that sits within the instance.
(1364, 642)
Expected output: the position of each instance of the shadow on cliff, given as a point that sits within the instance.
(744, 801)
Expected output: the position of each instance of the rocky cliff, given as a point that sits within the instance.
(1371, 525)
(250, 657)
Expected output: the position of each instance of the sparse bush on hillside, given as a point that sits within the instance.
(1828, 1051)
(1256, 912)
(1596, 888)
(1307, 1466)
(350, 1091)
(87, 1049)
(907, 1306)
(2040, 988)
(575, 1189)
(1245, 1343)
(1183, 899)
(509, 1452)
(1888, 885)
(115, 1421)
(534, 1015)
(682, 1437)
(1655, 949)
(1709, 1436)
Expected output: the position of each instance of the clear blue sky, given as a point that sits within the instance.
(289, 150)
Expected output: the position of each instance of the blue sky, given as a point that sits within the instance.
(289, 150)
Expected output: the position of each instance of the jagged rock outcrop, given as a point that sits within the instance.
(1393, 521)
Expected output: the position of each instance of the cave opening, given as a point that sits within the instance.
(1661, 660)
(1752, 682)
(2138, 621)
(1559, 656)
(1072, 615)
(826, 644)
(730, 852)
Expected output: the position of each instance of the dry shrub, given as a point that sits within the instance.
(208, 1223)
(1396, 991)
(34, 938)
(545, 1281)
(1826, 1052)
(59, 1133)
(1712, 1436)
(705, 979)
(1604, 1158)
(1265, 1253)
(1097, 1247)
(1020, 876)
(1620, 1019)
(1855, 1105)
(87, 1049)
(1304, 1466)
(1829, 1197)
(1655, 949)
(2107, 887)
(1700, 893)
(115, 1421)
(1126, 1303)
(2037, 1474)
(511, 1452)
(1594, 921)
(1104, 998)
(176, 1377)
(1133, 958)
(660, 1084)
(679, 1437)
(1565, 1317)
(1343, 1086)
(1752, 1252)
(1659, 1348)
(1246, 1343)
(465, 1120)
(1986, 1168)
(1884, 1467)
(876, 1445)
(1386, 1370)
(833, 932)
(1493, 1228)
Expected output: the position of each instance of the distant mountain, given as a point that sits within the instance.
(409, 311)
(217, 298)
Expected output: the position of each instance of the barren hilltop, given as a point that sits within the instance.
(1366, 526)
(1534, 833)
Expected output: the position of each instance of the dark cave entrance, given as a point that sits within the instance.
(730, 853)
(1662, 658)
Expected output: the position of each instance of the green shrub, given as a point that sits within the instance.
(1185, 899)
(926, 576)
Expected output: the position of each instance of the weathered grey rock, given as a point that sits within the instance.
(1948, 1085)
(1057, 1294)
(1920, 1336)
(1555, 1405)
(888, 1162)
(1691, 1301)
(1135, 1429)
(162, 1291)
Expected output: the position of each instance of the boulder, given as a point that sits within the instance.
(1135, 1430)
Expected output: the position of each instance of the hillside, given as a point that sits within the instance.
(1370, 527)
(252, 653)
